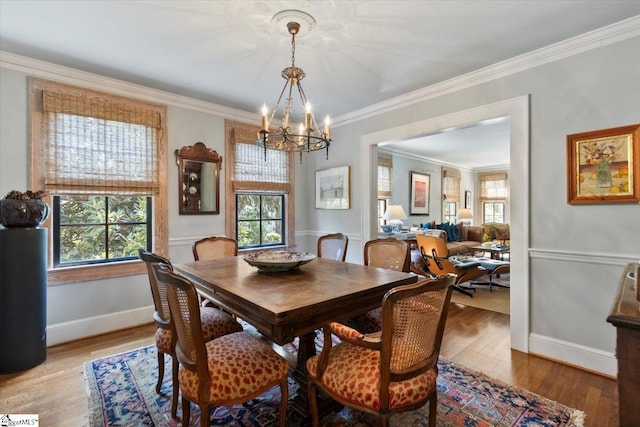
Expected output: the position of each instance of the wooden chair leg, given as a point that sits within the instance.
(186, 412)
(160, 371)
(313, 403)
(284, 399)
(205, 415)
(433, 409)
(175, 387)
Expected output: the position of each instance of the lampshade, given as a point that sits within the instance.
(394, 212)
(465, 214)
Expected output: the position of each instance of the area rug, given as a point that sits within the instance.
(495, 300)
(121, 392)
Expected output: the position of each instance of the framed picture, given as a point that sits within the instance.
(333, 188)
(419, 193)
(603, 166)
(467, 199)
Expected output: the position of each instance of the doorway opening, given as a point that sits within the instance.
(517, 109)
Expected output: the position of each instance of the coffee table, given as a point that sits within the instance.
(497, 251)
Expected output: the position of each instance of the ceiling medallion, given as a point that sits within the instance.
(308, 136)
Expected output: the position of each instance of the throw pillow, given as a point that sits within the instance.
(454, 231)
(444, 227)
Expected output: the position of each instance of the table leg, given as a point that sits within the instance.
(307, 349)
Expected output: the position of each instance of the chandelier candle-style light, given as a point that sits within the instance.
(308, 136)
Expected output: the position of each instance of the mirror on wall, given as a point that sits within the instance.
(199, 180)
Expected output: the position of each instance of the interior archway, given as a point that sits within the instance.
(518, 111)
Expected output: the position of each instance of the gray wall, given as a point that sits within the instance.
(576, 253)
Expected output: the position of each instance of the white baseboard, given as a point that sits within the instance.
(91, 326)
(574, 354)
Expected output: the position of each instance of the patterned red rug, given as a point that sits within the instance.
(121, 391)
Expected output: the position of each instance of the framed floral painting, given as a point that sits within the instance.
(603, 166)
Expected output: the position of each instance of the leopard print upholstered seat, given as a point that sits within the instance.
(394, 369)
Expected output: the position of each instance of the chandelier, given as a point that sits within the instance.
(307, 136)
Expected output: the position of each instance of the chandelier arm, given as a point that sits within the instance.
(275, 108)
(303, 97)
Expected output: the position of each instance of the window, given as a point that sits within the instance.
(259, 193)
(385, 168)
(493, 212)
(102, 159)
(450, 194)
(382, 208)
(99, 229)
(494, 196)
(260, 220)
(449, 212)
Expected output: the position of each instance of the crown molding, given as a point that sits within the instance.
(610, 34)
(59, 73)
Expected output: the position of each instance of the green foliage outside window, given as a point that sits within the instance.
(260, 220)
(98, 228)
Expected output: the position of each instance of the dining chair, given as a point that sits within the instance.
(389, 253)
(214, 247)
(435, 254)
(215, 323)
(391, 371)
(228, 370)
(333, 246)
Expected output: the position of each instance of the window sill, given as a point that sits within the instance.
(61, 276)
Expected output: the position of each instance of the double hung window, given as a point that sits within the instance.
(101, 158)
(494, 195)
(450, 194)
(259, 188)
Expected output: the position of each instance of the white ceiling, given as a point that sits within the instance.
(227, 52)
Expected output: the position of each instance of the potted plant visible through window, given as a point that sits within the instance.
(27, 209)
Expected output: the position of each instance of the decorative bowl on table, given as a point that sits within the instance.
(387, 229)
(269, 261)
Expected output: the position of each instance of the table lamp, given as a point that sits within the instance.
(394, 216)
(465, 214)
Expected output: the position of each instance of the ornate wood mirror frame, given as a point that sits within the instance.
(199, 180)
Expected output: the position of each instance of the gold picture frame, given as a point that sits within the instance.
(603, 166)
(333, 188)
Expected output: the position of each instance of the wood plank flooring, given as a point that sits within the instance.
(475, 338)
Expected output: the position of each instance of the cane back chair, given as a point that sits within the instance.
(391, 371)
(215, 323)
(333, 246)
(214, 247)
(232, 369)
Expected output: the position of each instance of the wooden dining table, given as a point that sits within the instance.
(289, 304)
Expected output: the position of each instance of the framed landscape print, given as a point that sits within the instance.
(419, 193)
(603, 166)
(333, 187)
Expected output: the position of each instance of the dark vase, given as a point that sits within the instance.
(23, 213)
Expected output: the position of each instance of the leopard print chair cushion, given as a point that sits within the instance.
(240, 366)
(353, 373)
(163, 340)
(215, 323)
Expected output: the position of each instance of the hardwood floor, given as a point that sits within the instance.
(475, 338)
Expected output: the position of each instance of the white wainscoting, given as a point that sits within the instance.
(91, 326)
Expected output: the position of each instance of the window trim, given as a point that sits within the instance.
(236, 131)
(160, 238)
